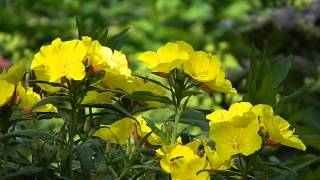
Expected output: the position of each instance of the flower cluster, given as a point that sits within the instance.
(66, 69)
(12, 91)
(199, 65)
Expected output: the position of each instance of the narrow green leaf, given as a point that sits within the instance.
(280, 71)
(116, 41)
(155, 129)
(112, 107)
(85, 156)
(152, 168)
(49, 83)
(153, 81)
(144, 139)
(301, 162)
(80, 28)
(30, 134)
(193, 117)
(25, 171)
(51, 100)
(148, 96)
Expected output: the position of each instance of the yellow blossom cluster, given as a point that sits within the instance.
(120, 131)
(246, 126)
(199, 65)
(242, 129)
(11, 89)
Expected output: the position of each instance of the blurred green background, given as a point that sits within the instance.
(232, 29)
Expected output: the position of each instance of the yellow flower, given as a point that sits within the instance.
(95, 52)
(133, 84)
(182, 169)
(182, 162)
(277, 128)
(6, 92)
(144, 129)
(28, 99)
(219, 84)
(202, 66)
(167, 57)
(235, 131)
(217, 162)
(14, 73)
(104, 58)
(237, 110)
(8, 80)
(118, 132)
(236, 137)
(94, 97)
(60, 59)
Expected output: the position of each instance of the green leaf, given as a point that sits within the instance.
(80, 27)
(49, 83)
(193, 117)
(25, 171)
(153, 81)
(292, 96)
(30, 134)
(148, 96)
(280, 71)
(51, 100)
(190, 93)
(144, 139)
(298, 163)
(310, 135)
(155, 129)
(85, 156)
(116, 41)
(103, 35)
(112, 107)
(100, 90)
(148, 167)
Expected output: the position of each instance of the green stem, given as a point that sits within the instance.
(244, 167)
(72, 123)
(176, 123)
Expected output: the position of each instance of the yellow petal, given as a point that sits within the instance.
(118, 132)
(167, 57)
(276, 127)
(278, 130)
(221, 85)
(231, 138)
(219, 116)
(144, 129)
(94, 97)
(202, 67)
(6, 92)
(14, 73)
(217, 162)
(28, 99)
(182, 169)
(60, 59)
